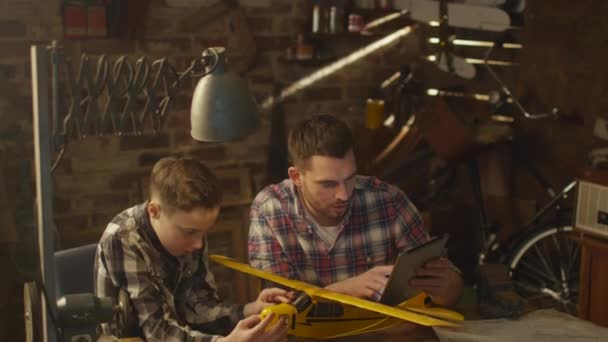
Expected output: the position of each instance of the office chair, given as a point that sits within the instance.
(79, 310)
(74, 270)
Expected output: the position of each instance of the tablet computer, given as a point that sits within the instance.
(397, 289)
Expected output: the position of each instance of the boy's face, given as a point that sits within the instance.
(326, 186)
(182, 232)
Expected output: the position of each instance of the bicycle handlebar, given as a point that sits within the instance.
(506, 91)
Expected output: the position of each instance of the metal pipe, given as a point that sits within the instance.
(44, 201)
(57, 138)
(475, 43)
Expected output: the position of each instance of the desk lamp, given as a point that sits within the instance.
(222, 109)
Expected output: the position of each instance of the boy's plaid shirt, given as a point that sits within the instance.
(175, 298)
(379, 223)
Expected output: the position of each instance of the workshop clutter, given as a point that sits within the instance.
(104, 18)
(83, 19)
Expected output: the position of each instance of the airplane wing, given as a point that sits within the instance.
(381, 308)
(239, 266)
(317, 292)
(416, 304)
(440, 313)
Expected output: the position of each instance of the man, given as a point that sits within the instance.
(157, 251)
(328, 226)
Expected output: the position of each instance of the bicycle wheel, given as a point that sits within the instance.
(545, 268)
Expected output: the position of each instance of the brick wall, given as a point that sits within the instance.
(21, 22)
(96, 175)
(99, 176)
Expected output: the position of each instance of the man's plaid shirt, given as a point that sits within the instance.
(379, 223)
(175, 298)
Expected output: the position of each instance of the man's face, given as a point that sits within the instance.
(326, 186)
(182, 232)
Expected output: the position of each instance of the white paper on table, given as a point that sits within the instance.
(540, 326)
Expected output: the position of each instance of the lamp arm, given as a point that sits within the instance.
(208, 61)
(122, 84)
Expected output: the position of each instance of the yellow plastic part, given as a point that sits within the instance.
(383, 309)
(358, 315)
(283, 310)
(417, 304)
(239, 266)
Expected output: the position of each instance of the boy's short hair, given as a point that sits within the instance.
(321, 135)
(184, 183)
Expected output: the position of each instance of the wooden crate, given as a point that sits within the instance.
(229, 238)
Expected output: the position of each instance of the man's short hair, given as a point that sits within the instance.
(321, 135)
(184, 183)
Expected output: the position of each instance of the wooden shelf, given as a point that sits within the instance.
(341, 35)
(594, 280)
(314, 62)
(369, 15)
(325, 41)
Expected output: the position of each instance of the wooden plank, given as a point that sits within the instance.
(597, 245)
(598, 281)
(583, 296)
(593, 298)
(229, 238)
(8, 229)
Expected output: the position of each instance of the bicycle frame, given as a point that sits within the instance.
(493, 250)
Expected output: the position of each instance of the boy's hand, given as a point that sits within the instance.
(253, 329)
(267, 298)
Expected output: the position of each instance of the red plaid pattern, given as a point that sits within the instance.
(380, 222)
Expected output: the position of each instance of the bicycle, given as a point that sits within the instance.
(544, 244)
(542, 261)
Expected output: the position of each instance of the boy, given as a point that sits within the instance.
(157, 251)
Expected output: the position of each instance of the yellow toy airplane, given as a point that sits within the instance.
(319, 313)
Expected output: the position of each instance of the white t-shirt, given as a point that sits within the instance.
(329, 234)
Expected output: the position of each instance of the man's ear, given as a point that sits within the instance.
(294, 175)
(153, 209)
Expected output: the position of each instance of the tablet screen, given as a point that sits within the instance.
(397, 289)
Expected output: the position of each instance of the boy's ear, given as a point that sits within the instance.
(153, 209)
(294, 175)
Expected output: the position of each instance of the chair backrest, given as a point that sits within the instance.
(74, 270)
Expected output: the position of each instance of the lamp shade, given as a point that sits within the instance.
(223, 108)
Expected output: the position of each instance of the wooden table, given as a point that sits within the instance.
(401, 333)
